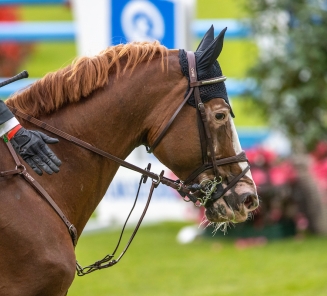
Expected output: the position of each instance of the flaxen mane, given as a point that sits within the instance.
(86, 74)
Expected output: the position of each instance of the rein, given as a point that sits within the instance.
(212, 187)
(20, 169)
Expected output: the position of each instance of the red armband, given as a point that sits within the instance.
(12, 132)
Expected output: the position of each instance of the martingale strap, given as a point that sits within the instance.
(108, 260)
(21, 170)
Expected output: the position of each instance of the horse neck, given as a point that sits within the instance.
(116, 119)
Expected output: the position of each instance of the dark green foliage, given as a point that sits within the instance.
(291, 72)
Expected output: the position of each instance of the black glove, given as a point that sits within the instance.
(32, 147)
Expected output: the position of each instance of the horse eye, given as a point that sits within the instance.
(220, 116)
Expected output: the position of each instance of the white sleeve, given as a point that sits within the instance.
(8, 125)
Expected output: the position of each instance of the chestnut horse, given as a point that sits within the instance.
(120, 99)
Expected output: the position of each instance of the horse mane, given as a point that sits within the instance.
(82, 77)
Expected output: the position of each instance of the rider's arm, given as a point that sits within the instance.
(7, 119)
(31, 145)
(8, 125)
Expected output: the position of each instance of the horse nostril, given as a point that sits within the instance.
(251, 202)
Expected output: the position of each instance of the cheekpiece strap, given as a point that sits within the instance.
(205, 130)
(192, 67)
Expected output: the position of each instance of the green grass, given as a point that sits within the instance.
(157, 265)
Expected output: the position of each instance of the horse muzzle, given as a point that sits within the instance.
(231, 207)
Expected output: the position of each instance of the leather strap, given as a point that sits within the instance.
(235, 180)
(108, 260)
(159, 138)
(22, 171)
(241, 157)
(208, 81)
(11, 172)
(202, 112)
(171, 183)
(203, 140)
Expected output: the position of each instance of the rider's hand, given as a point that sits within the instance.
(32, 147)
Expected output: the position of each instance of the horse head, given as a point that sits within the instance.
(209, 159)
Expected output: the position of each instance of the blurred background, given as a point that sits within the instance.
(275, 59)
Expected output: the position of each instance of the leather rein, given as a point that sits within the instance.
(187, 191)
(20, 169)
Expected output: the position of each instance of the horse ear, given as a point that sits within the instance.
(211, 53)
(206, 40)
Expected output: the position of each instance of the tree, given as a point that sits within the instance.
(292, 67)
(291, 76)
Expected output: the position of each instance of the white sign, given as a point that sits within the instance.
(102, 23)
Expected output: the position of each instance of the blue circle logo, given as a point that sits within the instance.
(142, 21)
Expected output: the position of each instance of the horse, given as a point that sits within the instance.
(124, 97)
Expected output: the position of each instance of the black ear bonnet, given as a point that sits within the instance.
(206, 69)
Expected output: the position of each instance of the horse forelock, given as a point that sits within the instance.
(83, 76)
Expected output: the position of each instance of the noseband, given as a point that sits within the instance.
(212, 190)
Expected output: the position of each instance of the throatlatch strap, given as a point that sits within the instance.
(157, 141)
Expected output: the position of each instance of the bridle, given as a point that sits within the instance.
(184, 188)
(210, 187)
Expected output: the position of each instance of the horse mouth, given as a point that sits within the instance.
(234, 205)
(227, 209)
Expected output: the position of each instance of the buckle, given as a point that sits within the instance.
(200, 106)
(21, 168)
